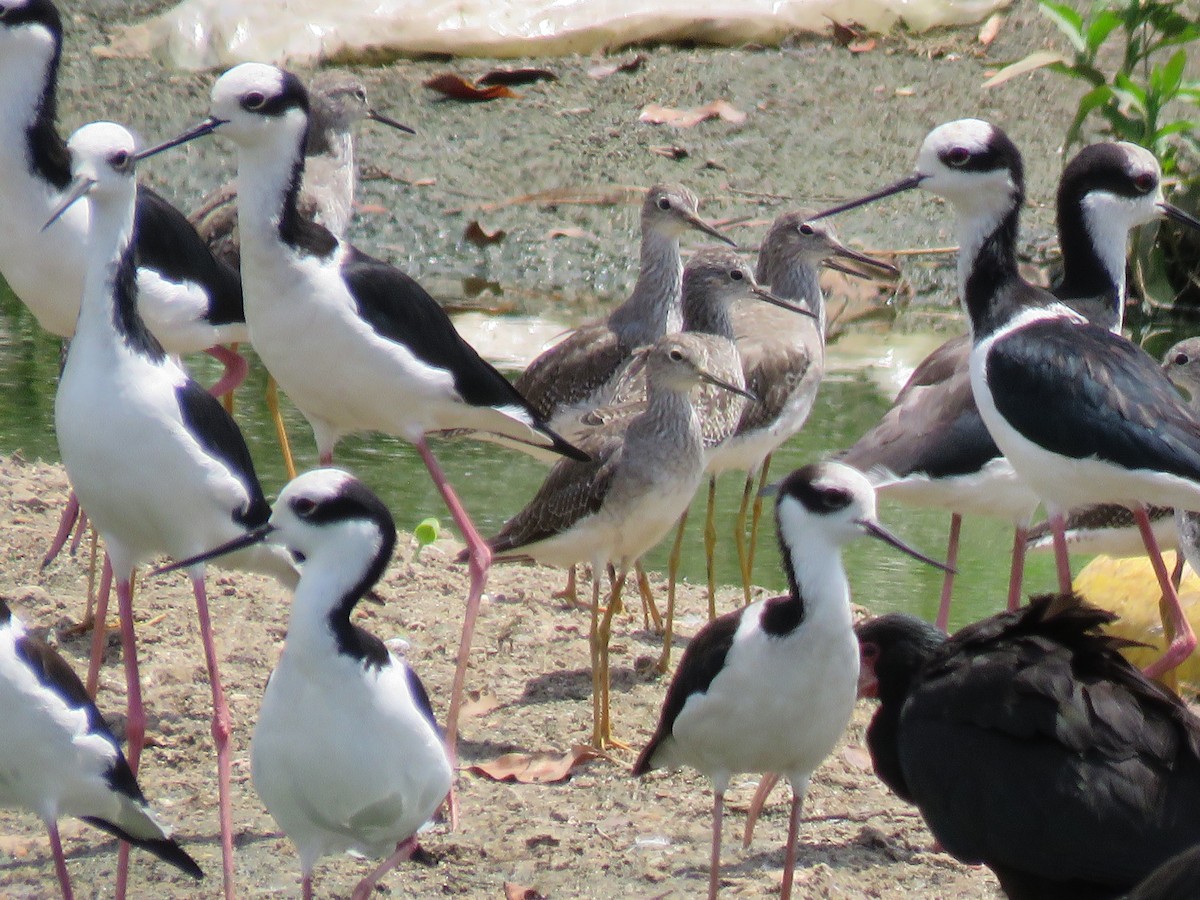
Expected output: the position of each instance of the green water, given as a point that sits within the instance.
(494, 482)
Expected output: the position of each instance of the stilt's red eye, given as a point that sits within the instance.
(253, 100)
(958, 156)
(1145, 182)
(304, 507)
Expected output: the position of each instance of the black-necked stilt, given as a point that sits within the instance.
(1106, 528)
(1082, 414)
(770, 687)
(355, 343)
(932, 447)
(189, 300)
(783, 356)
(575, 374)
(157, 462)
(338, 102)
(61, 759)
(613, 509)
(346, 754)
(1031, 745)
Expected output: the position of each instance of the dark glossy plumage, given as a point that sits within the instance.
(1029, 744)
(1080, 391)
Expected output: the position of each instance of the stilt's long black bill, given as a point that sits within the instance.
(208, 126)
(905, 184)
(875, 530)
(75, 190)
(390, 122)
(256, 536)
(1174, 212)
(763, 294)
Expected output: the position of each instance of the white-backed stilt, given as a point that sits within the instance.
(61, 759)
(157, 462)
(1083, 415)
(346, 753)
(770, 687)
(354, 342)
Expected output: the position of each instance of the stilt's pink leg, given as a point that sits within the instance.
(70, 514)
(220, 733)
(714, 865)
(789, 856)
(943, 616)
(135, 722)
(80, 529)
(1183, 641)
(1058, 527)
(1017, 574)
(366, 887)
(60, 861)
(100, 628)
(480, 560)
(236, 368)
(766, 784)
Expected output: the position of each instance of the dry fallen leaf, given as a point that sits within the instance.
(990, 29)
(603, 70)
(569, 231)
(846, 33)
(478, 703)
(863, 46)
(476, 235)
(516, 76)
(857, 758)
(545, 767)
(654, 114)
(455, 87)
(671, 152)
(520, 892)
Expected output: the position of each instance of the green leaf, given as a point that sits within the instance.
(1069, 22)
(1100, 28)
(1177, 127)
(1091, 100)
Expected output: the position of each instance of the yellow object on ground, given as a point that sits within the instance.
(1127, 586)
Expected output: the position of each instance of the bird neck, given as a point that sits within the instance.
(707, 315)
(799, 281)
(1093, 243)
(987, 260)
(652, 310)
(109, 308)
(818, 593)
(270, 174)
(29, 104)
(333, 579)
(669, 419)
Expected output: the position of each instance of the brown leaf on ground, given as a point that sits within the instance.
(455, 87)
(520, 892)
(475, 234)
(990, 29)
(863, 46)
(545, 767)
(654, 114)
(516, 76)
(672, 152)
(857, 757)
(603, 70)
(569, 231)
(478, 703)
(846, 33)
